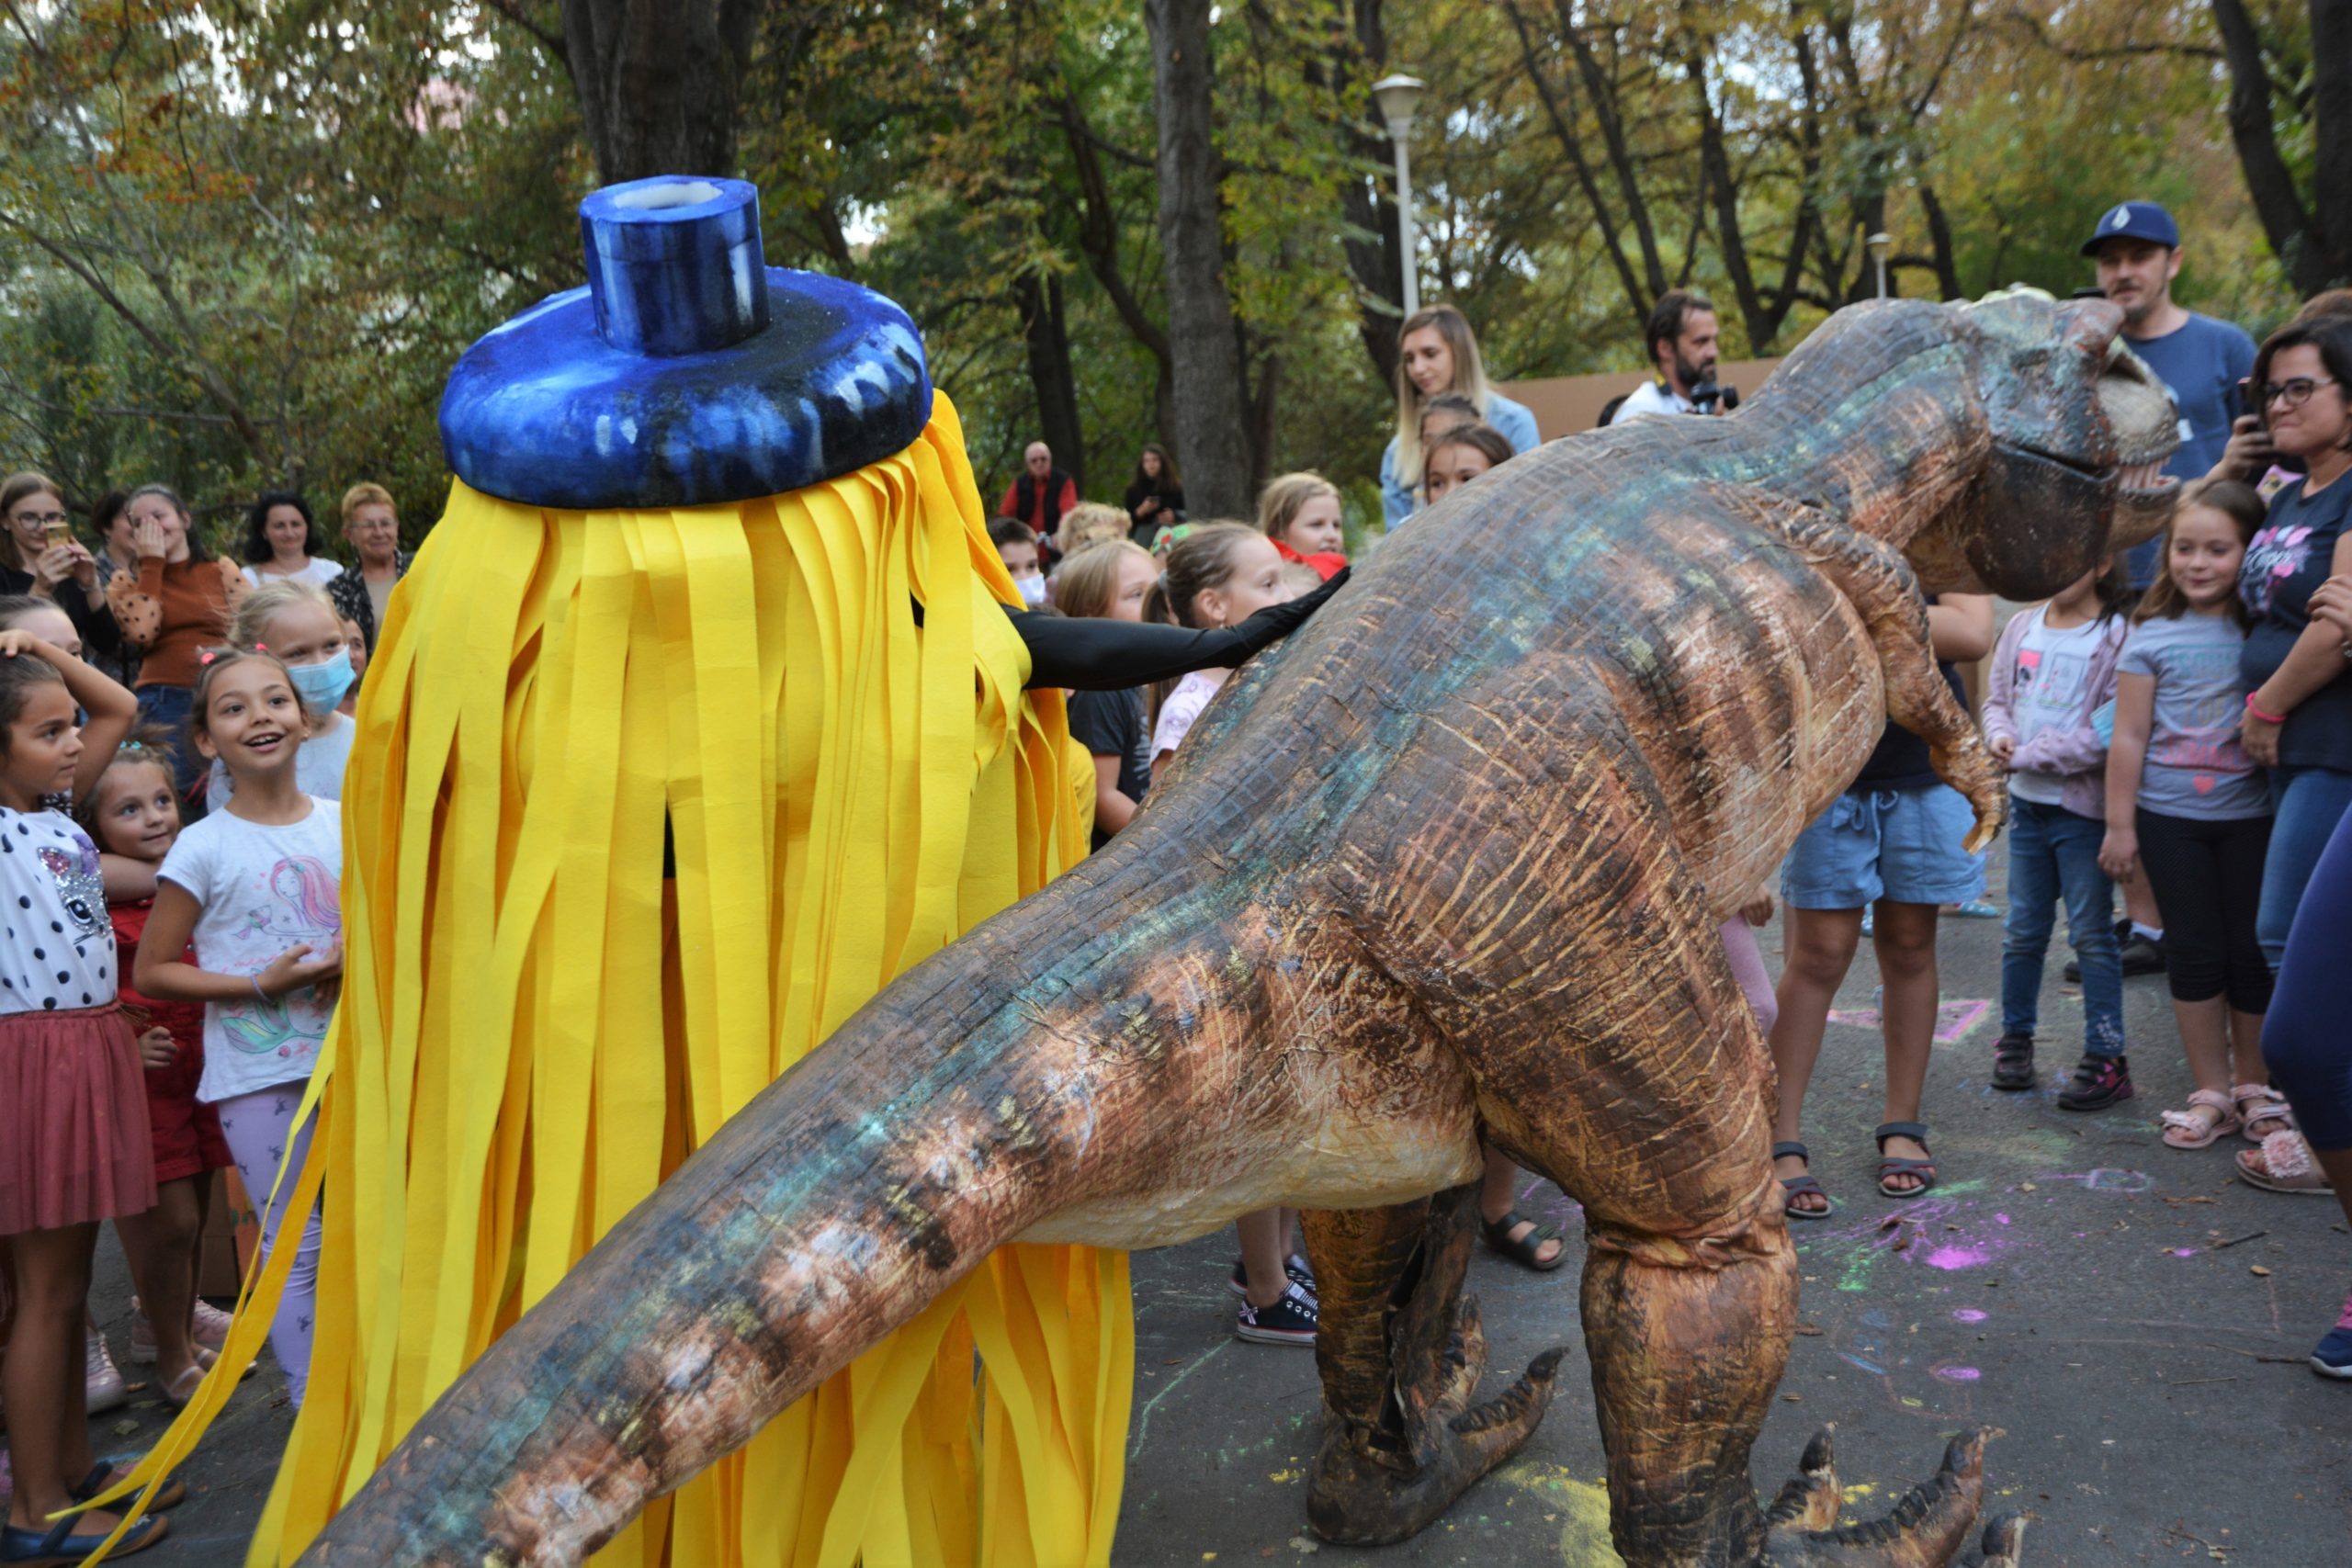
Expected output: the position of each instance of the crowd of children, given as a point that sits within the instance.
(166, 976)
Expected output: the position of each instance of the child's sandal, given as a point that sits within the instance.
(2188, 1129)
(1792, 1186)
(1891, 1166)
(1527, 1250)
(2257, 1103)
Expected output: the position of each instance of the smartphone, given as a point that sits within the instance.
(57, 533)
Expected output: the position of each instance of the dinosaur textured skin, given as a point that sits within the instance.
(1447, 865)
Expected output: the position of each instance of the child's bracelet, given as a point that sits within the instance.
(258, 990)
(2265, 717)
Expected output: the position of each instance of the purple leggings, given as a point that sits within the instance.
(259, 1128)
(2304, 1041)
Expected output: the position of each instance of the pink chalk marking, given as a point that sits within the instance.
(1954, 1020)
(2001, 1219)
(1956, 1257)
(1967, 1314)
(2183, 1252)
(1958, 1374)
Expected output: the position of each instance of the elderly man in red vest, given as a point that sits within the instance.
(1042, 494)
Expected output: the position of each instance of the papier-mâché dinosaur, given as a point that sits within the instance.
(1445, 866)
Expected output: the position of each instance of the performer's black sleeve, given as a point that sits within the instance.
(1093, 654)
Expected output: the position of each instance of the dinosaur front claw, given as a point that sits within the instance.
(1928, 1529)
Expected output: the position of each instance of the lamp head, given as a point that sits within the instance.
(1397, 95)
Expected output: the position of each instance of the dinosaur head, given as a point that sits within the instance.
(2079, 429)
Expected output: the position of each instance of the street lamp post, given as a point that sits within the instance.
(1397, 95)
(1878, 245)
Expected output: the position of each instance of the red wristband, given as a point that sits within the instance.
(2265, 717)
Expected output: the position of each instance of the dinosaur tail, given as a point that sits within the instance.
(991, 1085)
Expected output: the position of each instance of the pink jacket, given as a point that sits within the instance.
(2075, 749)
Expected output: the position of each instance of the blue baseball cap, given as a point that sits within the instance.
(2134, 220)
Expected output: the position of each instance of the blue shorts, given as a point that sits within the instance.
(1901, 844)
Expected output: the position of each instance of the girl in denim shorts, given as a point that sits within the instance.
(1892, 845)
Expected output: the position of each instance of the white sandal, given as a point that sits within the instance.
(2259, 1102)
(2188, 1129)
(2284, 1163)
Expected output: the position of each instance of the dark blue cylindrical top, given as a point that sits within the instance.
(687, 373)
(675, 264)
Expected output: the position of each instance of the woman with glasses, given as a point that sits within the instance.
(2297, 720)
(39, 555)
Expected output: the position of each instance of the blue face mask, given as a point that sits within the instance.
(323, 685)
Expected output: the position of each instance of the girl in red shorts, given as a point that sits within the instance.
(135, 819)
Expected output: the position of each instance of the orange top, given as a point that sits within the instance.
(173, 610)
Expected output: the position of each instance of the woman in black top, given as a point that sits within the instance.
(1156, 497)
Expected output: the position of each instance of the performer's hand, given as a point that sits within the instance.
(157, 1048)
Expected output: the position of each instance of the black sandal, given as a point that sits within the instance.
(1890, 1165)
(173, 1493)
(1793, 1185)
(1526, 1251)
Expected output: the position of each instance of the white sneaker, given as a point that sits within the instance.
(102, 1385)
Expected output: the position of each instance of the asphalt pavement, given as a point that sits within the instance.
(2132, 1318)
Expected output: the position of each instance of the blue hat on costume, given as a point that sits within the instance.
(687, 372)
(2134, 220)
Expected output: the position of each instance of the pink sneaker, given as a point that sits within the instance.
(211, 1325)
(101, 1383)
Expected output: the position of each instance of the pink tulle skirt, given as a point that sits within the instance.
(75, 1144)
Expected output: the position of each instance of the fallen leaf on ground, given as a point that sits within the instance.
(2258, 1271)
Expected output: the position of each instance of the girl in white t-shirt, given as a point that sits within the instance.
(73, 1141)
(1220, 574)
(297, 621)
(255, 885)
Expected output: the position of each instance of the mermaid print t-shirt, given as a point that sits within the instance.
(261, 889)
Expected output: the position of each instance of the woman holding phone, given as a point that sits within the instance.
(39, 555)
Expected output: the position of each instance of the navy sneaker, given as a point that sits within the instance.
(2333, 1358)
(2099, 1082)
(1294, 1266)
(1289, 1321)
(2012, 1062)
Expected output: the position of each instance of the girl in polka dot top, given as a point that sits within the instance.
(73, 1141)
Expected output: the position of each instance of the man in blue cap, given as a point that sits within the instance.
(2137, 248)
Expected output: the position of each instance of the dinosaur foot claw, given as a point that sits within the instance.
(1374, 1490)
(1930, 1527)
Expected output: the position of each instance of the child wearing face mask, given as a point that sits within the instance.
(1016, 546)
(296, 621)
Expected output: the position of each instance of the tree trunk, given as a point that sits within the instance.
(1368, 205)
(2314, 241)
(659, 83)
(1211, 430)
(1040, 303)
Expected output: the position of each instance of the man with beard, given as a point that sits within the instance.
(2137, 249)
(1681, 335)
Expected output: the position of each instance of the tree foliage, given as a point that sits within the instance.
(244, 241)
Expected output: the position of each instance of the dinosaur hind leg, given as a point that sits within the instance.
(1629, 1070)
(1400, 1351)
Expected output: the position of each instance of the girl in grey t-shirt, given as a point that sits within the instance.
(2186, 804)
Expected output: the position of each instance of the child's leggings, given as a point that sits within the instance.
(2305, 1040)
(260, 1130)
(2207, 876)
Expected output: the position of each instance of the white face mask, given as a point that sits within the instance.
(1033, 589)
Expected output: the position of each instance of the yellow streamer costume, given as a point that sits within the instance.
(537, 1027)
